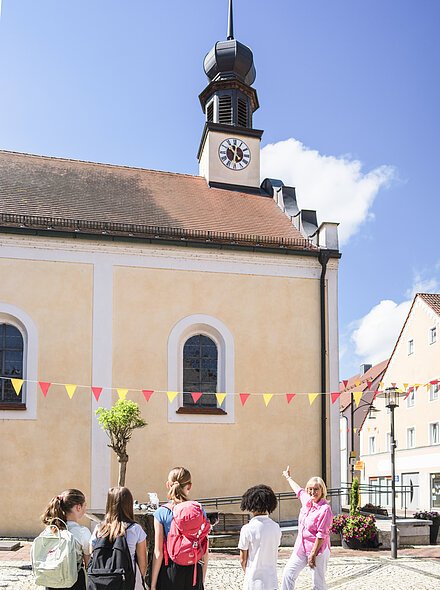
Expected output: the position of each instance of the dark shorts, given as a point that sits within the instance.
(179, 577)
(80, 584)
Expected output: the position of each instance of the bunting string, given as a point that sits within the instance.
(405, 390)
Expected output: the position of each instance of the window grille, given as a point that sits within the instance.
(242, 113)
(200, 360)
(225, 110)
(210, 112)
(11, 362)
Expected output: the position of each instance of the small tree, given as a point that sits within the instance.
(354, 497)
(119, 422)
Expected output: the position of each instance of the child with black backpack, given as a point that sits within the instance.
(61, 551)
(119, 554)
(181, 530)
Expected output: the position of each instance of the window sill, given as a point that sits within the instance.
(201, 411)
(12, 406)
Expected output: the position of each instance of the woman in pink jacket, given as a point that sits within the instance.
(312, 546)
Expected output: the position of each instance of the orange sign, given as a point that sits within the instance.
(359, 466)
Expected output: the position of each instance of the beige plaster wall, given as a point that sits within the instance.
(277, 348)
(418, 368)
(42, 457)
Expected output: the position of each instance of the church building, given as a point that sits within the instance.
(161, 286)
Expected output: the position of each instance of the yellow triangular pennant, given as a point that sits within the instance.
(428, 386)
(267, 397)
(220, 398)
(357, 383)
(355, 430)
(172, 395)
(17, 385)
(122, 393)
(357, 397)
(405, 386)
(70, 388)
(380, 386)
(312, 397)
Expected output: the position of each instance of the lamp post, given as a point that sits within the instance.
(392, 402)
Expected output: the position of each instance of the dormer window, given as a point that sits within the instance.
(433, 335)
(410, 346)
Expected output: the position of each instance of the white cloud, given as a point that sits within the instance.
(376, 333)
(336, 187)
(423, 285)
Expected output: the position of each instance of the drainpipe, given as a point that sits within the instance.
(323, 260)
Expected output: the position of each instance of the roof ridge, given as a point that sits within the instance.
(92, 163)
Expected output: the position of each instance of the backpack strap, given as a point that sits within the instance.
(166, 557)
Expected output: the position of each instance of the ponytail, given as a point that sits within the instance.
(59, 507)
(178, 479)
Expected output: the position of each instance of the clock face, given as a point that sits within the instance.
(234, 154)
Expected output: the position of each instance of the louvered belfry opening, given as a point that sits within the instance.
(242, 113)
(210, 112)
(229, 108)
(225, 110)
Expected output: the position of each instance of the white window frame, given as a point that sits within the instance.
(10, 314)
(413, 430)
(431, 432)
(220, 334)
(433, 335)
(388, 442)
(410, 346)
(411, 399)
(434, 392)
(371, 445)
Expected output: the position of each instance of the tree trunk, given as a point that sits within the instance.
(122, 469)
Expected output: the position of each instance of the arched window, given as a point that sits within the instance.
(11, 362)
(200, 369)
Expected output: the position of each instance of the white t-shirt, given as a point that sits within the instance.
(261, 538)
(82, 535)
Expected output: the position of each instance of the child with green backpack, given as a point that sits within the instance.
(61, 551)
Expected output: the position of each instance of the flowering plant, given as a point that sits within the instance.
(428, 515)
(355, 527)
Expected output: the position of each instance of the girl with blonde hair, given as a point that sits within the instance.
(66, 510)
(312, 546)
(172, 576)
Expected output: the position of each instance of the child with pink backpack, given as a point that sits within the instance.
(181, 530)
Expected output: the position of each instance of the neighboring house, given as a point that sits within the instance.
(354, 411)
(413, 365)
(118, 277)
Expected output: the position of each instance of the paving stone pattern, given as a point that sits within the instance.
(344, 573)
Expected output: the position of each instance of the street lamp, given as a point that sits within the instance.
(392, 402)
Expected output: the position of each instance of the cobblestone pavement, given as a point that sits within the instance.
(361, 572)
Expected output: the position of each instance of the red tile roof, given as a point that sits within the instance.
(432, 299)
(93, 194)
(371, 375)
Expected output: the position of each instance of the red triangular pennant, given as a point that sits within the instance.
(97, 392)
(244, 398)
(369, 384)
(434, 382)
(44, 387)
(289, 397)
(375, 395)
(345, 382)
(147, 394)
(335, 395)
(196, 395)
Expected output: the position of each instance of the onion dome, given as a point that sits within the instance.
(230, 60)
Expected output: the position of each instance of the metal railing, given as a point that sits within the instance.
(373, 491)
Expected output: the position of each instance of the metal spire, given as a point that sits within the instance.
(230, 22)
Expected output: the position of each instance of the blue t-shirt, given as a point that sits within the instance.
(164, 515)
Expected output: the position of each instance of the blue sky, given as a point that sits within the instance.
(349, 94)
